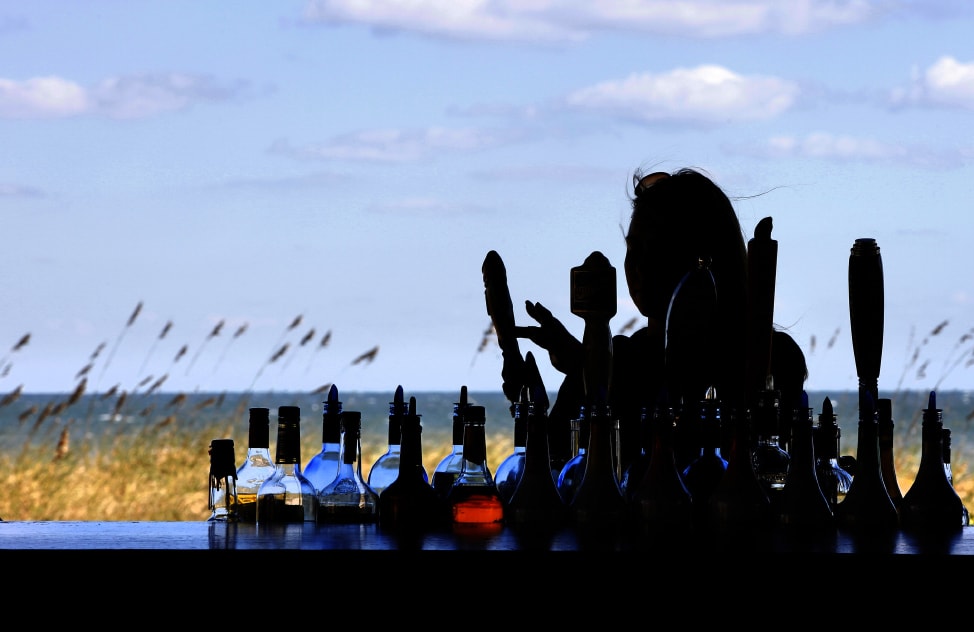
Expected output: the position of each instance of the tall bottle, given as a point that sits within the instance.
(536, 503)
(634, 473)
(662, 504)
(474, 499)
(409, 503)
(598, 503)
(323, 466)
(948, 470)
(571, 472)
(884, 407)
(223, 482)
(386, 467)
(771, 462)
(834, 480)
(509, 471)
(704, 473)
(447, 470)
(931, 504)
(286, 495)
(804, 508)
(867, 508)
(348, 498)
(257, 466)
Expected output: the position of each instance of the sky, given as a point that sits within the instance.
(205, 196)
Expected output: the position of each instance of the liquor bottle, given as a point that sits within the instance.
(662, 504)
(867, 508)
(386, 467)
(474, 499)
(598, 502)
(966, 518)
(257, 466)
(322, 468)
(536, 504)
(704, 473)
(447, 470)
(348, 498)
(832, 477)
(633, 474)
(223, 482)
(771, 462)
(286, 495)
(509, 471)
(409, 504)
(884, 406)
(571, 473)
(804, 508)
(931, 505)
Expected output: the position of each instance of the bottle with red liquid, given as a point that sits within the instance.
(474, 499)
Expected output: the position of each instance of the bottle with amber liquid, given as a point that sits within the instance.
(223, 482)
(473, 499)
(447, 470)
(287, 496)
(536, 503)
(409, 503)
(884, 408)
(804, 508)
(348, 498)
(948, 470)
(867, 508)
(509, 471)
(704, 473)
(322, 468)
(931, 505)
(257, 466)
(834, 480)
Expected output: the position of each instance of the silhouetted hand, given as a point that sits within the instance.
(564, 350)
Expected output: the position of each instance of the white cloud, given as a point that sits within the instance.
(846, 148)
(41, 97)
(946, 83)
(705, 94)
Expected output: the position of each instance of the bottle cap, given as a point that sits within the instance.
(222, 460)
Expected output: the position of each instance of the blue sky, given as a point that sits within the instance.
(223, 196)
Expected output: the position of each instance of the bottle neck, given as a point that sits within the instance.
(411, 452)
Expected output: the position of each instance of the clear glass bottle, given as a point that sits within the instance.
(804, 508)
(223, 482)
(256, 467)
(348, 498)
(473, 499)
(598, 503)
(287, 496)
(948, 470)
(509, 471)
(322, 468)
(867, 508)
(447, 470)
(884, 408)
(931, 505)
(386, 467)
(409, 504)
(704, 473)
(771, 462)
(834, 480)
(571, 472)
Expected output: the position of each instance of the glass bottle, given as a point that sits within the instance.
(704, 473)
(536, 503)
(509, 471)
(884, 407)
(447, 470)
(662, 503)
(323, 466)
(598, 501)
(348, 498)
(409, 503)
(257, 466)
(804, 508)
(770, 460)
(223, 482)
(474, 499)
(571, 473)
(867, 508)
(637, 468)
(966, 518)
(386, 467)
(286, 495)
(931, 504)
(832, 477)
